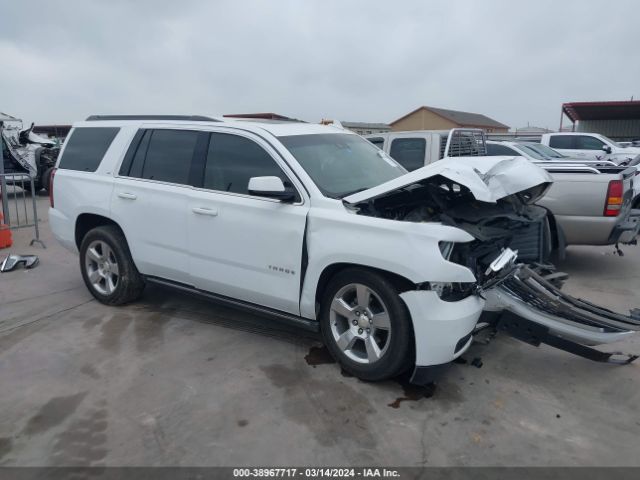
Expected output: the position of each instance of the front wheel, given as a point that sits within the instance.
(366, 326)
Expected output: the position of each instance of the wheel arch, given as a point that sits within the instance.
(87, 222)
(401, 283)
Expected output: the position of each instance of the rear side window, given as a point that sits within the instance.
(165, 155)
(409, 152)
(561, 141)
(232, 160)
(495, 150)
(86, 147)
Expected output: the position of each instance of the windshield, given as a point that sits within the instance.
(532, 152)
(544, 150)
(341, 164)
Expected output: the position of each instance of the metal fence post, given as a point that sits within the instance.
(3, 181)
(35, 215)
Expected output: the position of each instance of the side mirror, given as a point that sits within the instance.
(271, 187)
(606, 148)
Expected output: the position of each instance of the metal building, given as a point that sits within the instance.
(616, 120)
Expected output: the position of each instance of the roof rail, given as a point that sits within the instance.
(198, 118)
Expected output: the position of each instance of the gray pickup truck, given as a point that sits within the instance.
(587, 204)
(580, 189)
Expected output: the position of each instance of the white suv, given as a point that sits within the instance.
(306, 223)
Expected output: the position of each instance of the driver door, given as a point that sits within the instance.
(243, 246)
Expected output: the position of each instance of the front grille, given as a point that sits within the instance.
(528, 241)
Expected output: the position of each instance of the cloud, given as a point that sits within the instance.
(350, 60)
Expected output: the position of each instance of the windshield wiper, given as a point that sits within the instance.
(358, 190)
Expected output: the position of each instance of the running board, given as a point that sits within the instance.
(534, 334)
(283, 317)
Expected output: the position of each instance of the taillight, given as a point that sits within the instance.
(53, 173)
(614, 199)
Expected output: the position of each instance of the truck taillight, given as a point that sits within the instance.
(53, 172)
(613, 203)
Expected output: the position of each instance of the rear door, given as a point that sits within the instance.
(150, 200)
(243, 246)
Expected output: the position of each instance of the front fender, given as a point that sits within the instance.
(407, 249)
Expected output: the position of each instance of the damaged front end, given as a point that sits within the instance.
(495, 204)
(532, 309)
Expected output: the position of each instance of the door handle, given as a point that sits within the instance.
(212, 212)
(127, 196)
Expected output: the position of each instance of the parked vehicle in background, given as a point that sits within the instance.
(315, 226)
(586, 205)
(581, 191)
(537, 152)
(26, 152)
(591, 146)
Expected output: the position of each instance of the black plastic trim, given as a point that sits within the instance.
(125, 166)
(197, 118)
(534, 334)
(425, 375)
(199, 159)
(462, 342)
(288, 318)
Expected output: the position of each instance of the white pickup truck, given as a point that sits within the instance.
(591, 146)
(586, 206)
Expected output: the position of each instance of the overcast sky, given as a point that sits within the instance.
(371, 61)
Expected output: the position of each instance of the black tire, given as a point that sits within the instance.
(130, 283)
(399, 352)
(46, 179)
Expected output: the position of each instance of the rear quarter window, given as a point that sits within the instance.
(561, 141)
(409, 152)
(497, 150)
(86, 148)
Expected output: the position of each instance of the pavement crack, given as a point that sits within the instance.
(45, 317)
(28, 299)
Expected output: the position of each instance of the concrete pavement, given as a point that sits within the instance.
(175, 380)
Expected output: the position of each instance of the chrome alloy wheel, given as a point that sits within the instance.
(360, 323)
(102, 267)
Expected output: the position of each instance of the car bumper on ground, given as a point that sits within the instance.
(628, 230)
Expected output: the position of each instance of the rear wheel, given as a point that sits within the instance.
(366, 325)
(107, 268)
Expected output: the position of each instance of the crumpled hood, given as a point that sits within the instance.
(488, 178)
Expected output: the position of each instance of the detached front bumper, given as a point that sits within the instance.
(628, 230)
(530, 309)
(442, 330)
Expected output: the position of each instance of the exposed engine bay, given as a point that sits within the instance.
(495, 226)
